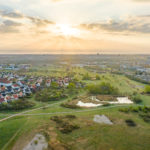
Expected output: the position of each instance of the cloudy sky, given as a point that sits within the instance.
(74, 26)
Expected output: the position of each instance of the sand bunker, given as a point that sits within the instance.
(81, 104)
(102, 119)
(37, 143)
(122, 100)
(93, 98)
(119, 100)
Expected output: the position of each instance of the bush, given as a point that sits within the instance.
(145, 117)
(16, 105)
(50, 95)
(97, 77)
(134, 109)
(147, 89)
(130, 123)
(144, 112)
(144, 109)
(56, 119)
(137, 99)
(102, 88)
(106, 104)
(63, 123)
(71, 116)
(125, 110)
(67, 105)
(67, 128)
(86, 77)
(35, 142)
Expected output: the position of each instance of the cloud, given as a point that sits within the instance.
(10, 14)
(13, 21)
(141, 1)
(40, 22)
(139, 24)
(9, 26)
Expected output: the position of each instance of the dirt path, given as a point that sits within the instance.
(22, 113)
(77, 111)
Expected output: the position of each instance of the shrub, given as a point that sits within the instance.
(147, 89)
(144, 109)
(97, 77)
(106, 104)
(57, 119)
(35, 142)
(50, 95)
(71, 116)
(137, 99)
(145, 117)
(16, 105)
(126, 110)
(86, 77)
(63, 123)
(67, 128)
(130, 123)
(134, 109)
(67, 105)
(102, 88)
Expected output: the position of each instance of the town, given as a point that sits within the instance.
(13, 86)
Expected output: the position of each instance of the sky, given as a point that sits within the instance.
(74, 26)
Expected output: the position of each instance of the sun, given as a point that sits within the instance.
(67, 30)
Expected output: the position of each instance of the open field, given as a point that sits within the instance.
(99, 133)
(17, 131)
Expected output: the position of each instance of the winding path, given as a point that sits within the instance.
(67, 112)
(23, 113)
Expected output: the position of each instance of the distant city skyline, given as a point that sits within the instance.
(74, 26)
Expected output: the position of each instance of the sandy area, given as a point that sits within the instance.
(102, 119)
(81, 104)
(37, 143)
(119, 100)
(93, 98)
(122, 100)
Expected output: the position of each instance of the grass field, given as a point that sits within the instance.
(16, 132)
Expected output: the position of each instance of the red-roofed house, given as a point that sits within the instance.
(5, 82)
(14, 97)
(7, 98)
(2, 100)
(15, 86)
(20, 94)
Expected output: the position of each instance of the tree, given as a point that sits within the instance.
(71, 86)
(97, 77)
(86, 77)
(54, 85)
(102, 88)
(147, 89)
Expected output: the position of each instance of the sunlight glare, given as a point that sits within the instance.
(67, 30)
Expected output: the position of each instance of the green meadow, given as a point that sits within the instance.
(17, 131)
